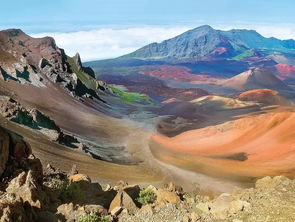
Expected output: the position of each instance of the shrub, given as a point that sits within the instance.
(69, 190)
(93, 217)
(147, 196)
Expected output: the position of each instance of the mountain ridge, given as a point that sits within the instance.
(204, 43)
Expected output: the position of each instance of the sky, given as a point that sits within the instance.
(99, 29)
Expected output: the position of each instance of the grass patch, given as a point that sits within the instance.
(131, 97)
(86, 79)
(245, 54)
(70, 191)
(147, 196)
(93, 217)
(91, 83)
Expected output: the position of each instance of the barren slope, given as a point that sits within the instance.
(253, 146)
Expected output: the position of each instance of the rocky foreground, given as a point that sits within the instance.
(30, 192)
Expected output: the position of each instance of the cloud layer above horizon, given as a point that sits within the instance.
(106, 43)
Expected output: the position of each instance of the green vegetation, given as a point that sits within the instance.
(69, 190)
(91, 83)
(86, 79)
(93, 217)
(245, 54)
(147, 196)
(130, 97)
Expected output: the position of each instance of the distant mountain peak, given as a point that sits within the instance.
(206, 43)
(203, 27)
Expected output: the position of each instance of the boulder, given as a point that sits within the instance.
(268, 182)
(122, 199)
(25, 186)
(147, 210)
(80, 178)
(219, 208)
(116, 202)
(151, 187)
(70, 211)
(120, 185)
(224, 205)
(98, 209)
(175, 188)
(11, 209)
(116, 211)
(133, 192)
(35, 166)
(165, 196)
(75, 212)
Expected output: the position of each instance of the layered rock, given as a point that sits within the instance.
(37, 61)
(21, 54)
(33, 118)
(13, 150)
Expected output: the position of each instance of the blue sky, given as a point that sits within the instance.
(121, 26)
(70, 15)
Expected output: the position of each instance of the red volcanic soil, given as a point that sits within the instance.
(252, 146)
(178, 74)
(265, 96)
(285, 71)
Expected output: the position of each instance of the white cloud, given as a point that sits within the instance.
(109, 42)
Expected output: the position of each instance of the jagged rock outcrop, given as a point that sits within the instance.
(36, 61)
(81, 68)
(33, 118)
(23, 192)
(78, 62)
(27, 187)
(12, 209)
(20, 56)
(13, 150)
